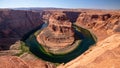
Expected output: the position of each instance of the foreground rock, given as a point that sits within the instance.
(35, 62)
(12, 62)
(16, 62)
(22, 54)
(105, 55)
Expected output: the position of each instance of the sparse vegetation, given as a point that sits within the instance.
(23, 48)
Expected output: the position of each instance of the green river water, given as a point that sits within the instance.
(85, 37)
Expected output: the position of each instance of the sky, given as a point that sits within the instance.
(92, 4)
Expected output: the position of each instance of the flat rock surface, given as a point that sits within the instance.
(12, 62)
(105, 55)
(16, 62)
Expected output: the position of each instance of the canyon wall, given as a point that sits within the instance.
(15, 23)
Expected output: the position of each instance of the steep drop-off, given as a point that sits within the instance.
(15, 23)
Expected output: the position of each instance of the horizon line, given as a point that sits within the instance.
(58, 8)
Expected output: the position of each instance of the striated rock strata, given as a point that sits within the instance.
(58, 34)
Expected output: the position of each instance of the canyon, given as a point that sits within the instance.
(105, 24)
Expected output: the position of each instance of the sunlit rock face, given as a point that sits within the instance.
(58, 34)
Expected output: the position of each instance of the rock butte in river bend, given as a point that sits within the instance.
(59, 32)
